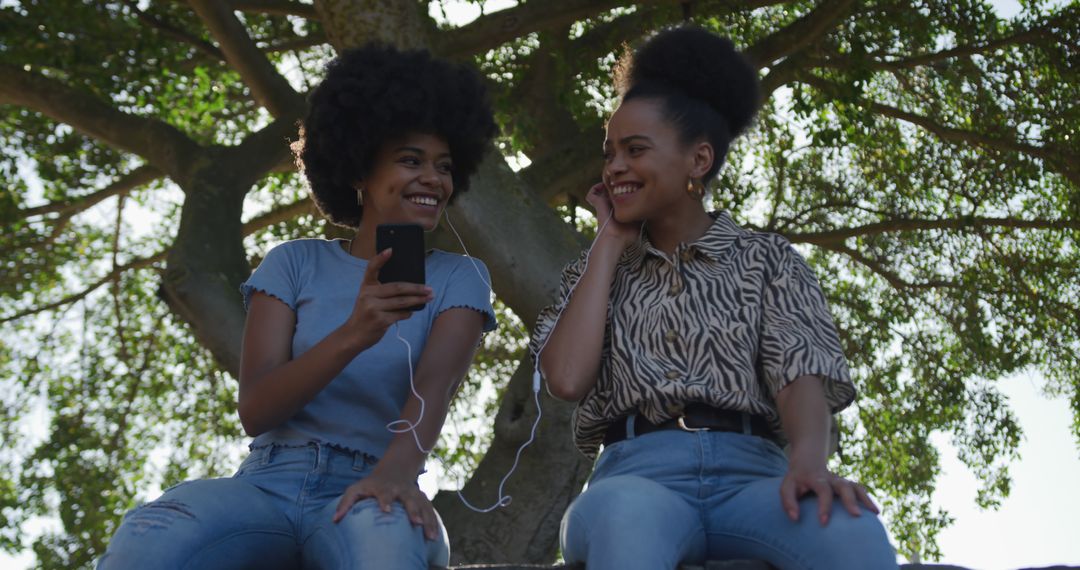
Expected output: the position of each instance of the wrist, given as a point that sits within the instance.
(349, 340)
(807, 457)
(607, 249)
(396, 470)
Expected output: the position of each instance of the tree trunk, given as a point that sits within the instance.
(207, 263)
(525, 245)
(353, 23)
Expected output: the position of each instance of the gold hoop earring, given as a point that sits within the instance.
(359, 196)
(695, 188)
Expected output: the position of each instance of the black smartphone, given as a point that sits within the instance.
(407, 262)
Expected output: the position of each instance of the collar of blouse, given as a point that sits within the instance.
(720, 236)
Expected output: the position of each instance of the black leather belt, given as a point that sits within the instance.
(696, 417)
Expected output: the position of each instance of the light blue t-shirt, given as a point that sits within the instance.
(318, 280)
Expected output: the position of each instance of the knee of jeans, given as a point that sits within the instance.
(857, 542)
(368, 512)
(371, 529)
(573, 537)
(625, 496)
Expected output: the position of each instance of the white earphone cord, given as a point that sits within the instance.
(503, 500)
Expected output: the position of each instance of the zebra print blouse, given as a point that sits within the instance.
(728, 320)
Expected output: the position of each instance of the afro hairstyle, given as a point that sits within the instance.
(707, 89)
(375, 93)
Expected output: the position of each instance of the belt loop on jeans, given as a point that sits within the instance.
(746, 429)
(630, 419)
(361, 460)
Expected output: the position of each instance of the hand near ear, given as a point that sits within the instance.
(624, 233)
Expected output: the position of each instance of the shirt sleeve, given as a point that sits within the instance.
(798, 334)
(548, 317)
(468, 288)
(277, 276)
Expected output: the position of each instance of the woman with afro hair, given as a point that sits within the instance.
(325, 377)
(697, 350)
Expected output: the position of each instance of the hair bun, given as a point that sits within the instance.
(703, 66)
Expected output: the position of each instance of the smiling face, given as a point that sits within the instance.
(646, 165)
(410, 182)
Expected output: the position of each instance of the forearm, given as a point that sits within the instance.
(403, 457)
(269, 399)
(443, 364)
(570, 361)
(805, 417)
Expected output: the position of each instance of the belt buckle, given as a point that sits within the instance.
(681, 422)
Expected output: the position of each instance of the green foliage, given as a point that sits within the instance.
(117, 380)
(922, 156)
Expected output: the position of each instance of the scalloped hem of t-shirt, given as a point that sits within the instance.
(247, 289)
(490, 323)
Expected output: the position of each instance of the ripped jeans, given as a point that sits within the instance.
(276, 512)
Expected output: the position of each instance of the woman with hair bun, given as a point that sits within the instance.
(698, 350)
(391, 137)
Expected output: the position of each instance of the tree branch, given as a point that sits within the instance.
(1064, 165)
(879, 61)
(134, 383)
(161, 144)
(118, 227)
(894, 280)
(276, 8)
(836, 238)
(954, 135)
(262, 151)
(278, 215)
(564, 154)
(299, 43)
(801, 33)
(497, 28)
(566, 170)
(114, 274)
(1068, 315)
(781, 74)
(269, 87)
(266, 150)
(138, 177)
(174, 32)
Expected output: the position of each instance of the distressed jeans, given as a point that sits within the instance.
(671, 497)
(276, 512)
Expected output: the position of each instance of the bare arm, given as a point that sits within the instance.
(805, 417)
(443, 364)
(273, 385)
(570, 361)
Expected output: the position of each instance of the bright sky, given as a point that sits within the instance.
(1034, 527)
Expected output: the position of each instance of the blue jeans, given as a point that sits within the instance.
(671, 497)
(276, 512)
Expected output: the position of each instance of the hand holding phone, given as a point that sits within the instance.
(406, 263)
(379, 305)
